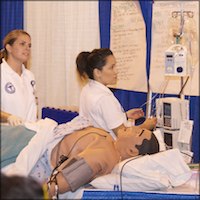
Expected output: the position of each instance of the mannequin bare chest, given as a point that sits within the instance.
(77, 142)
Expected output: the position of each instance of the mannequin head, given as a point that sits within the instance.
(133, 141)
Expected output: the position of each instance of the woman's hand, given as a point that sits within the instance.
(14, 120)
(135, 113)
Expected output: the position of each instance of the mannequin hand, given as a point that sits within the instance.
(14, 120)
(135, 113)
(150, 123)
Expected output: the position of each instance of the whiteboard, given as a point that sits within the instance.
(128, 43)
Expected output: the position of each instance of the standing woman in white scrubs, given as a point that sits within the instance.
(18, 100)
(97, 101)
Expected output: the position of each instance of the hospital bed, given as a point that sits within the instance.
(106, 187)
(188, 190)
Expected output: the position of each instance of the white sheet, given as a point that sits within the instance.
(150, 172)
(35, 148)
(189, 187)
(48, 132)
(170, 162)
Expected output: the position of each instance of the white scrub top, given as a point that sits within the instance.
(101, 107)
(17, 93)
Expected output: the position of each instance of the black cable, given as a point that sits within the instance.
(81, 138)
(64, 158)
(183, 86)
(121, 191)
(186, 154)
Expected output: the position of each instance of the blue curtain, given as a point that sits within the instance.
(194, 115)
(128, 99)
(132, 99)
(12, 15)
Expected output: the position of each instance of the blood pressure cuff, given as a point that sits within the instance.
(77, 174)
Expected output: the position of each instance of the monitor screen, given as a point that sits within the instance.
(168, 140)
(167, 109)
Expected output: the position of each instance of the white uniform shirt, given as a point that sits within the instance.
(17, 93)
(101, 107)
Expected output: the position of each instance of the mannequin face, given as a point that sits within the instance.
(128, 139)
(108, 74)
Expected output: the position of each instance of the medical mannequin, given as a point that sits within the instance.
(70, 155)
(97, 102)
(91, 152)
(18, 101)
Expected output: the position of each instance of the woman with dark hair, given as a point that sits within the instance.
(20, 187)
(97, 102)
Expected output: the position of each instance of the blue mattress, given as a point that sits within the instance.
(117, 195)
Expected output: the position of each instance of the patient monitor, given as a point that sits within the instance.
(171, 111)
(173, 119)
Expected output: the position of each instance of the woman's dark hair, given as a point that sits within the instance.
(86, 62)
(148, 146)
(19, 187)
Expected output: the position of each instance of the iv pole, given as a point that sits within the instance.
(178, 38)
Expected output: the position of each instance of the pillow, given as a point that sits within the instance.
(146, 173)
(112, 182)
(159, 136)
